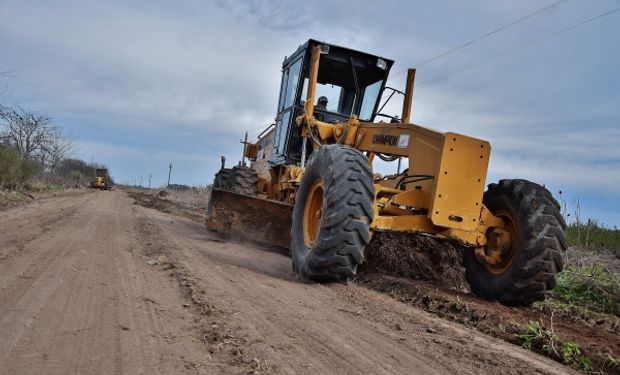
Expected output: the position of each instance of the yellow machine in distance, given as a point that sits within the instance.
(315, 166)
(101, 179)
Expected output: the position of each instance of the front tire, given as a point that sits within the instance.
(332, 214)
(526, 271)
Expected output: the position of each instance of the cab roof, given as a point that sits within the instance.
(361, 59)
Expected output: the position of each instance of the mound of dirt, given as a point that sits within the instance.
(151, 200)
(416, 257)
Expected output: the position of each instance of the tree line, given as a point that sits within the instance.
(32, 147)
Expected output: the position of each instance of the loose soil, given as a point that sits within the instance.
(416, 257)
(98, 285)
(11, 199)
(428, 274)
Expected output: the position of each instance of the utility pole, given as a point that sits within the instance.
(150, 175)
(169, 173)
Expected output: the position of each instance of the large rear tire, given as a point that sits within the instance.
(221, 178)
(526, 270)
(332, 214)
(242, 180)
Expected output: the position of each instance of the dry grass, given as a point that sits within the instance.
(12, 196)
(194, 198)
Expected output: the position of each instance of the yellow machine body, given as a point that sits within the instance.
(327, 211)
(100, 180)
(449, 205)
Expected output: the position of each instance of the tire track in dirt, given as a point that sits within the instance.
(92, 304)
(448, 298)
(26, 270)
(19, 226)
(295, 327)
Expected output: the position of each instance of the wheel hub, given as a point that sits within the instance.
(500, 248)
(313, 211)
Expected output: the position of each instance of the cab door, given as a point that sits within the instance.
(291, 76)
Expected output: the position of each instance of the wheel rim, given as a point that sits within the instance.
(501, 245)
(313, 211)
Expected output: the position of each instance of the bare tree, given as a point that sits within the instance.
(34, 138)
(58, 147)
(28, 132)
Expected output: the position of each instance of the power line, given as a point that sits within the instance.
(477, 39)
(571, 27)
(259, 127)
(495, 31)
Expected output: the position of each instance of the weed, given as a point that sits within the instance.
(537, 338)
(611, 361)
(542, 340)
(572, 355)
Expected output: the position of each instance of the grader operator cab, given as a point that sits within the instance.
(311, 177)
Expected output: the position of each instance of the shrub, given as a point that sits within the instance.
(13, 170)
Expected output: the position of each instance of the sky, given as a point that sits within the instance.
(142, 84)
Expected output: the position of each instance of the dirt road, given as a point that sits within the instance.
(80, 293)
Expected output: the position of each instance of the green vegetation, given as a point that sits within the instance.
(594, 236)
(611, 361)
(544, 341)
(12, 196)
(572, 355)
(14, 171)
(590, 282)
(536, 338)
(591, 286)
(36, 156)
(20, 178)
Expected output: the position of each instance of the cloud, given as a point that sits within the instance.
(145, 83)
(144, 65)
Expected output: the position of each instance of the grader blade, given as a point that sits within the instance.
(246, 218)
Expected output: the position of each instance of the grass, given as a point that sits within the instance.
(194, 198)
(592, 286)
(43, 187)
(590, 281)
(587, 288)
(594, 236)
(28, 191)
(543, 340)
(12, 196)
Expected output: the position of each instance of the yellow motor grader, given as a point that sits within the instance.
(101, 179)
(311, 187)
